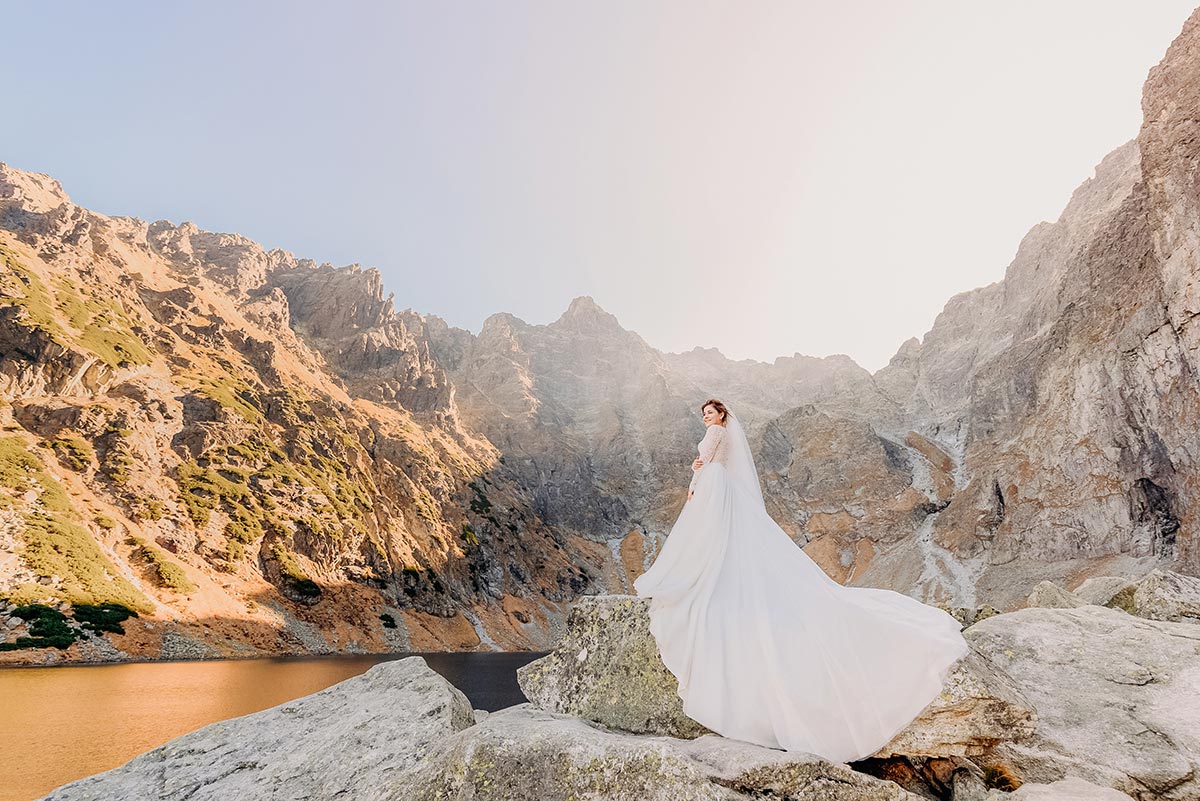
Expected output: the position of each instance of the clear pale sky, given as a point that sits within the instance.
(765, 178)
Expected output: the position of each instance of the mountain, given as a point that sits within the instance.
(261, 454)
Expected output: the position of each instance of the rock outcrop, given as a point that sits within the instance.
(1115, 697)
(607, 670)
(1051, 596)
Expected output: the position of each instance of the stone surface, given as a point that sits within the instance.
(1071, 789)
(979, 707)
(1115, 592)
(523, 753)
(1115, 697)
(607, 669)
(349, 740)
(1050, 595)
(1163, 595)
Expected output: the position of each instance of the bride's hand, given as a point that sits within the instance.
(696, 465)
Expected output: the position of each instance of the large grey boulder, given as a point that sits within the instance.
(1072, 789)
(347, 741)
(1051, 596)
(1163, 595)
(524, 753)
(607, 669)
(1116, 698)
(1115, 592)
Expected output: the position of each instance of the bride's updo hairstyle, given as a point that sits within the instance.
(720, 407)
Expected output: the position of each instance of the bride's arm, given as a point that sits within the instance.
(708, 446)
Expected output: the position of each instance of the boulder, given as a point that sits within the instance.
(522, 753)
(1051, 596)
(968, 787)
(347, 740)
(1071, 789)
(1115, 592)
(1115, 697)
(607, 669)
(1163, 595)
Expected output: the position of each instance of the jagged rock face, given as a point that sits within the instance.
(585, 414)
(1071, 386)
(836, 383)
(380, 354)
(196, 442)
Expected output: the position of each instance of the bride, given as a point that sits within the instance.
(766, 647)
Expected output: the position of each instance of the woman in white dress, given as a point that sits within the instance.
(766, 647)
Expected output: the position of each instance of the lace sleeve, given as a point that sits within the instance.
(708, 448)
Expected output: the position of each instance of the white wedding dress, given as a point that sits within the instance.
(766, 647)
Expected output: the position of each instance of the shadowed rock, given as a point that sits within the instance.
(1115, 592)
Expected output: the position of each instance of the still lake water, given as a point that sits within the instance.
(63, 723)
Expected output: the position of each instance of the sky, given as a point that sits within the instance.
(767, 178)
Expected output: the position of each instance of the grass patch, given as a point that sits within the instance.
(291, 571)
(167, 574)
(73, 453)
(55, 543)
(103, 326)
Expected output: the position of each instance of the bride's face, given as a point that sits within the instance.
(712, 416)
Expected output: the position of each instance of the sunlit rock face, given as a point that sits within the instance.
(257, 453)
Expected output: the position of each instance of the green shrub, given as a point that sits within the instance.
(389, 622)
(290, 569)
(103, 617)
(73, 453)
(47, 626)
(167, 574)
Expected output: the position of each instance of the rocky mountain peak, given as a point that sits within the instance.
(585, 315)
(32, 192)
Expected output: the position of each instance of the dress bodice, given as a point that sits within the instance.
(713, 448)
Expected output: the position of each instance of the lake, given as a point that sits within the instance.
(63, 723)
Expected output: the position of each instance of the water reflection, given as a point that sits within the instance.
(64, 723)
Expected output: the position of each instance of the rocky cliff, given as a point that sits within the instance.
(259, 453)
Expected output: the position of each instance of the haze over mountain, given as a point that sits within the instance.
(261, 454)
